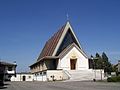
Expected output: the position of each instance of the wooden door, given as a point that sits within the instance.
(73, 64)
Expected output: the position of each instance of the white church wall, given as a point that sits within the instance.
(40, 76)
(82, 61)
(37, 77)
(54, 75)
(65, 64)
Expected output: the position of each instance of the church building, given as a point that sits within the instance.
(63, 58)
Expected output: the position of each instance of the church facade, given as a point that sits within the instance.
(63, 58)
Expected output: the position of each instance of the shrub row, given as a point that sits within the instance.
(114, 79)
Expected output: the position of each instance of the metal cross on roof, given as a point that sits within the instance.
(67, 17)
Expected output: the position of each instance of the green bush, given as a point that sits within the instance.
(114, 79)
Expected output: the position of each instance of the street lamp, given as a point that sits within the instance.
(102, 68)
(94, 67)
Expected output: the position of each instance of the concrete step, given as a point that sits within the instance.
(81, 75)
(84, 75)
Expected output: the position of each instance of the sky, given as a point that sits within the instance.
(25, 26)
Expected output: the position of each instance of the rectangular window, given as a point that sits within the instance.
(44, 73)
(40, 73)
(29, 76)
(37, 74)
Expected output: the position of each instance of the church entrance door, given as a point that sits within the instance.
(73, 64)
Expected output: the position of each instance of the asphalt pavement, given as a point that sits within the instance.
(61, 86)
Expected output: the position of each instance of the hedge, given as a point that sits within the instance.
(114, 79)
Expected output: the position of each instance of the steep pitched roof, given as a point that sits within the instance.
(66, 30)
(52, 45)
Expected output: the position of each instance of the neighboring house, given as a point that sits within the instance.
(118, 67)
(63, 58)
(8, 70)
(23, 76)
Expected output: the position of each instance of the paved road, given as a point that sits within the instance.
(61, 86)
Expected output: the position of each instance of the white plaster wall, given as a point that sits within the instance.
(58, 75)
(88, 74)
(19, 77)
(82, 61)
(39, 77)
(99, 74)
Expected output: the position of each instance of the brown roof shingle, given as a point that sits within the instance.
(51, 44)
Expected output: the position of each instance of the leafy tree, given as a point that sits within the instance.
(107, 66)
(98, 61)
(102, 62)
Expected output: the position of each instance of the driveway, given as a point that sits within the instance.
(61, 86)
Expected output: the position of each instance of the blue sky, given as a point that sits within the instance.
(25, 26)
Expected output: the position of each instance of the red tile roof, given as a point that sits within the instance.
(51, 44)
